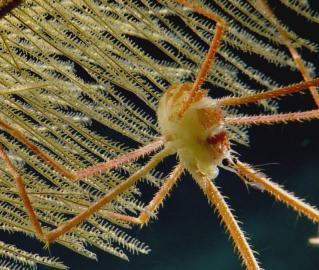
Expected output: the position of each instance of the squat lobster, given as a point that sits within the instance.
(193, 126)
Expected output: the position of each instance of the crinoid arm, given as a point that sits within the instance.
(98, 168)
(101, 167)
(247, 172)
(236, 233)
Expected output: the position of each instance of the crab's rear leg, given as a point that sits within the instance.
(157, 200)
(210, 55)
(240, 241)
(22, 193)
(92, 170)
(247, 172)
(108, 197)
(68, 174)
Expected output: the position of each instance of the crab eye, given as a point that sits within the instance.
(217, 138)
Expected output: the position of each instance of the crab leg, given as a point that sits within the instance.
(157, 200)
(23, 194)
(294, 53)
(218, 201)
(100, 167)
(234, 101)
(108, 197)
(273, 119)
(277, 191)
(210, 56)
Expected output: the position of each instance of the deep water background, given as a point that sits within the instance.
(188, 234)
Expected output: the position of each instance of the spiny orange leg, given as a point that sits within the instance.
(270, 119)
(125, 158)
(98, 168)
(294, 53)
(103, 166)
(68, 225)
(247, 172)
(17, 134)
(217, 199)
(210, 56)
(157, 200)
(23, 194)
(234, 101)
(273, 119)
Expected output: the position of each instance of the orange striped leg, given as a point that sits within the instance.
(23, 194)
(240, 241)
(247, 172)
(234, 101)
(125, 158)
(98, 168)
(273, 119)
(153, 205)
(68, 225)
(294, 53)
(210, 56)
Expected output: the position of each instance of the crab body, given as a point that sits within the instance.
(198, 136)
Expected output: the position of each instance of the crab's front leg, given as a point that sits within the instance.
(210, 55)
(300, 64)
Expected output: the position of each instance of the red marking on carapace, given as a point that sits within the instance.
(217, 138)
